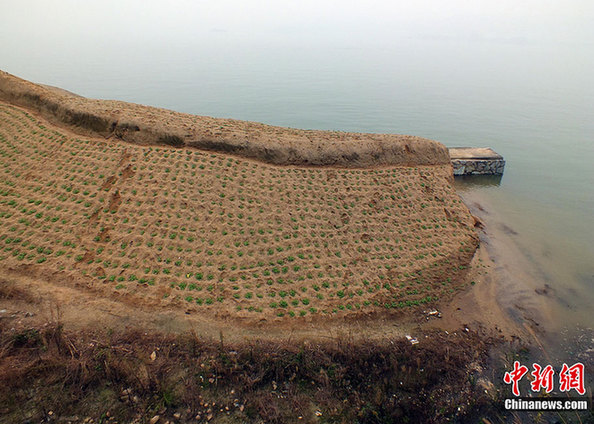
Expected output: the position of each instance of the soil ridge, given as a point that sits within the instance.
(141, 124)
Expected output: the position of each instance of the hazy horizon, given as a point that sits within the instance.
(334, 22)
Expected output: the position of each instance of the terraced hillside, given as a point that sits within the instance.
(222, 235)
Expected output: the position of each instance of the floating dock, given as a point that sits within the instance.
(476, 161)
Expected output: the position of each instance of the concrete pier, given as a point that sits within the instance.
(476, 161)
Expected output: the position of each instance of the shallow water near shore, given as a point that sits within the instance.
(542, 276)
(529, 102)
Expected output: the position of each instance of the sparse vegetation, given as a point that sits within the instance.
(365, 240)
(195, 380)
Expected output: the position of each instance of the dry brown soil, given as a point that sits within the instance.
(222, 236)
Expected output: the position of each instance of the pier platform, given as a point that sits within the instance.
(476, 161)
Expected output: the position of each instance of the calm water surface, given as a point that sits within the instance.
(533, 104)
